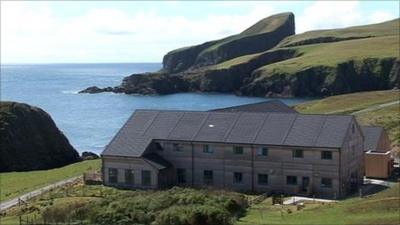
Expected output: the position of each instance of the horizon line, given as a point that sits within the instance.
(54, 63)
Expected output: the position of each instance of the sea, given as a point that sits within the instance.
(89, 121)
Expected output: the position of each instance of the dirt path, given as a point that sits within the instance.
(375, 107)
(12, 202)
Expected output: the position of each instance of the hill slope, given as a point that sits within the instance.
(267, 60)
(380, 108)
(30, 140)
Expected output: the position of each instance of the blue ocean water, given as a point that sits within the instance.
(90, 120)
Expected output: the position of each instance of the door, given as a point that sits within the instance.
(305, 183)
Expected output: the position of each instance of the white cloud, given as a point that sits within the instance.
(103, 34)
(36, 34)
(329, 14)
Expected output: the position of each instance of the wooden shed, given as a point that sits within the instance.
(378, 161)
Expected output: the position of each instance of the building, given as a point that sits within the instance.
(378, 161)
(281, 152)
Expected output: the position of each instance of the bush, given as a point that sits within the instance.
(176, 206)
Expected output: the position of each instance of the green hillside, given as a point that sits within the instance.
(267, 59)
(381, 108)
(14, 184)
(331, 54)
(388, 28)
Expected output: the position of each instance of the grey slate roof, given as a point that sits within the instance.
(372, 135)
(267, 106)
(285, 129)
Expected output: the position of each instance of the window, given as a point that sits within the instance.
(262, 151)
(208, 177)
(326, 182)
(237, 177)
(129, 177)
(146, 177)
(181, 175)
(207, 149)
(326, 155)
(263, 179)
(298, 153)
(177, 147)
(291, 180)
(113, 175)
(353, 128)
(237, 150)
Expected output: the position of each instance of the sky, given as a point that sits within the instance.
(144, 31)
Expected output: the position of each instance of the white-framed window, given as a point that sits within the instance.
(208, 149)
(326, 155)
(298, 153)
(262, 151)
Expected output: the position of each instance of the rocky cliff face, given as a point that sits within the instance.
(268, 60)
(30, 140)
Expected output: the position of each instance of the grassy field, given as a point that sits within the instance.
(381, 208)
(13, 184)
(373, 30)
(331, 54)
(375, 41)
(386, 116)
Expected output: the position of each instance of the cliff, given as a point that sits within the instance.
(30, 140)
(267, 59)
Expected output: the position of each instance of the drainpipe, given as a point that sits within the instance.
(340, 173)
(103, 170)
(192, 145)
(252, 168)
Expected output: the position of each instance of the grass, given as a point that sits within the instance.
(373, 30)
(331, 54)
(236, 61)
(379, 40)
(344, 104)
(381, 208)
(387, 117)
(13, 184)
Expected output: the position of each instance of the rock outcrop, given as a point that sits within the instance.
(30, 140)
(268, 60)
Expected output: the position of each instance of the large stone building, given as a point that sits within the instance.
(243, 150)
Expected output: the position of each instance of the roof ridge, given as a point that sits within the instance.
(201, 125)
(259, 129)
(290, 128)
(233, 125)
